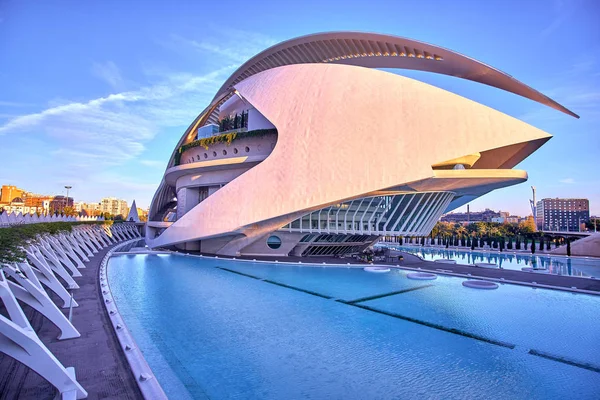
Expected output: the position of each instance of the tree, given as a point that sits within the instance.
(69, 211)
(527, 226)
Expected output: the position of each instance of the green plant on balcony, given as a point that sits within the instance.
(225, 138)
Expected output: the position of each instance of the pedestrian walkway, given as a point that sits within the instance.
(99, 362)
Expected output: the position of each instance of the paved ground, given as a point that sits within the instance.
(100, 365)
(509, 275)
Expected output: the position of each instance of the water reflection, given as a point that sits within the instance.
(555, 265)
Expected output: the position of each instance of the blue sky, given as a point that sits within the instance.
(96, 94)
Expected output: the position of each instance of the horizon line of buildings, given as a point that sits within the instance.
(14, 199)
(552, 214)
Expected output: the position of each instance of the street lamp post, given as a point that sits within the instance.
(67, 203)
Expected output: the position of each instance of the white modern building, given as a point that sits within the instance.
(310, 149)
(114, 206)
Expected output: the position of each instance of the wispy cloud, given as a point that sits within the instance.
(154, 163)
(561, 14)
(15, 104)
(108, 72)
(82, 138)
(82, 142)
(567, 180)
(224, 44)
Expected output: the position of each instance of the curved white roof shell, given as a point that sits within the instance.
(375, 50)
(347, 132)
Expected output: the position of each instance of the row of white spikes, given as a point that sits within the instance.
(48, 256)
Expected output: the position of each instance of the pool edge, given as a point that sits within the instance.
(144, 377)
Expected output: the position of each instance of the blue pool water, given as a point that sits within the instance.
(211, 333)
(557, 265)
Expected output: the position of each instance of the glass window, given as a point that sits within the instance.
(274, 242)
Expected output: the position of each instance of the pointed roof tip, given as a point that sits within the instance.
(133, 213)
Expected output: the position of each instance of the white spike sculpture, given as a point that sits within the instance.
(56, 266)
(50, 256)
(45, 275)
(29, 290)
(76, 246)
(60, 240)
(19, 341)
(57, 257)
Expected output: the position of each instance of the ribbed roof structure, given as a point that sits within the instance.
(375, 50)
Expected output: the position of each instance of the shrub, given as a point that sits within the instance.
(14, 238)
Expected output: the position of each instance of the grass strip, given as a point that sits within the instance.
(298, 289)
(239, 273)
(436, 326)
(563, 360)
(379, 296)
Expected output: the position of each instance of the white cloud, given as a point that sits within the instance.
(15, 104)
(108, 72)
(227, 45)
(567, 180)
(83, 142)
(81, 139)
(561, 14)
(154, 163)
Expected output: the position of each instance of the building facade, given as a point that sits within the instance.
(309, 149)
(564, 215)
(89, 209)
(9, 192)
(114, 206)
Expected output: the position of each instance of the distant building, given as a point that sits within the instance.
(9, 193)
(37, 203)
(513, 219)
(89, 209)
(565, 215)
(58, 203)
(114, 206)
(475, 216)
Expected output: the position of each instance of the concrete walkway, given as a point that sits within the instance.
(412, 261)
(527, 278)
(99, 362)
